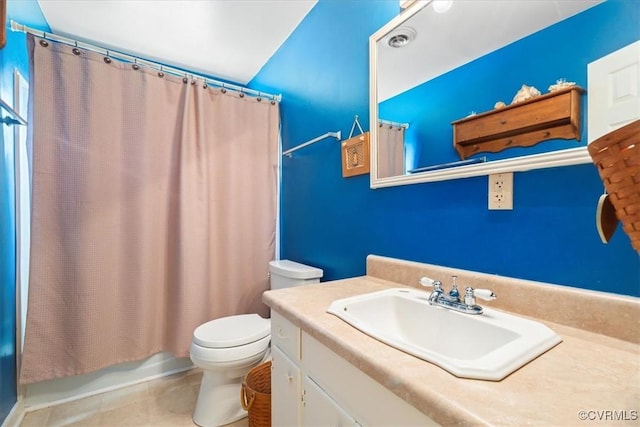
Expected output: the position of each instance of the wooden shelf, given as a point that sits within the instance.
(552, 116)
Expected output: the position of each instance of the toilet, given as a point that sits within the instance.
(227, 348)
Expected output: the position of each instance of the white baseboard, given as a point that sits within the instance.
(63, 390)
(15, 417)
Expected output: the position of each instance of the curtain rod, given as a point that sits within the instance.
(336, 135)
(15, 26)
(15, 119)
(389, 122)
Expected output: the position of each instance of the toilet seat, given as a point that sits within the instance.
(232, 331)
(230, 354)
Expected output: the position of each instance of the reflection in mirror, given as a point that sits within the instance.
(391, 148)
(430, 69)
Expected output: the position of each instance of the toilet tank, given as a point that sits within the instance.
(287, 274)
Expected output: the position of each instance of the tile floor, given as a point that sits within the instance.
(167, 401)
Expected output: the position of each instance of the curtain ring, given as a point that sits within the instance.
(259, 98)
(106, 58)
(241, 93)
(44, 43)
(224, 89)
(204, 84)
(135, 65)
(185, 80)
(160, 73)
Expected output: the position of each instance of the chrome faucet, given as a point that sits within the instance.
(452, 300)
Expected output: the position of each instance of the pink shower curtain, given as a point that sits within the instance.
(390, 150)
(154, 210)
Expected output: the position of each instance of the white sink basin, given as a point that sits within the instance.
(489, 346)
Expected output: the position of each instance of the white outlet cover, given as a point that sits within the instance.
(501, 191)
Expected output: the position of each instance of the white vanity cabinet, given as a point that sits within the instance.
(286, 389)
(313, 386)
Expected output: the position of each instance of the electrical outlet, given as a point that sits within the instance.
(501, 191)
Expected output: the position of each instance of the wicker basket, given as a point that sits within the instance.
(617, 156)
(255, 395)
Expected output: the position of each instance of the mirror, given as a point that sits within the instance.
(430, 67)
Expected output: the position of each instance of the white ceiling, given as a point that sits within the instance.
(467, 31)
(226, 39)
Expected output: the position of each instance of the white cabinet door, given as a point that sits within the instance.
(320, 410)
(285, 390)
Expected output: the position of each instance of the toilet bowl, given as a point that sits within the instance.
(227, 348)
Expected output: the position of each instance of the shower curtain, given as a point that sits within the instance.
(390, 150)
(154, 210)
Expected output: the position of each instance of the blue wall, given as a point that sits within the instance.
(12, 56)
(333, 223)
(7, 252)
(538, 60)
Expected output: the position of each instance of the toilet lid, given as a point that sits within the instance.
(232, 331)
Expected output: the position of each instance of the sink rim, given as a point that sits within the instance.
(534, 338)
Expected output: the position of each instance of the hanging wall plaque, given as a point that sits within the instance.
(355, 155)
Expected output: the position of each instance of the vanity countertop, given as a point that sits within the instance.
(586, 372)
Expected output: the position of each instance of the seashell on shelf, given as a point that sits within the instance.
(560, 84)
(525, 93)
(499, 104)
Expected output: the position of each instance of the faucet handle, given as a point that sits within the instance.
(485, 294)
(430, 283)
(470, 295)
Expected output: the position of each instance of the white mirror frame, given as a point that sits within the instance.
(571, 156)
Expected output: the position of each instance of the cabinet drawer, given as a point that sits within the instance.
(360, 396)
(555, 115)
(532, 116)
(285, 335)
